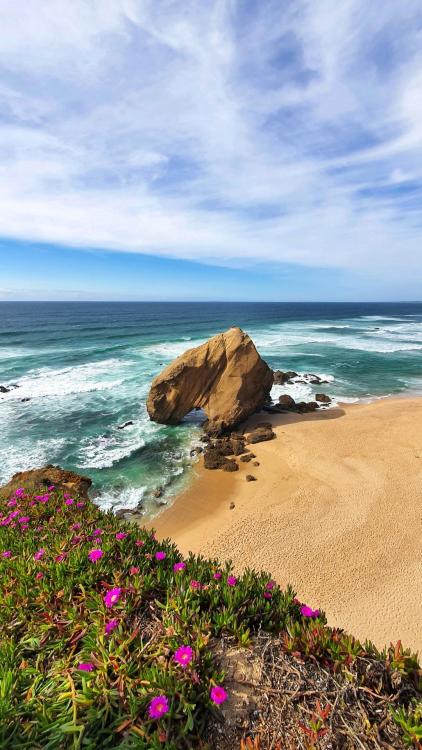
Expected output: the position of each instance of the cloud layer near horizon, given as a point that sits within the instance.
(229, 132)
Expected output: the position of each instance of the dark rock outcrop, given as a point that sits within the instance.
(49, 475)
(281, 377)
(323, 398)
(287, 401)
(225, 377)
(125, 424)
(260, 433)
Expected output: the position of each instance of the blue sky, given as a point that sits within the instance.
(216, 149)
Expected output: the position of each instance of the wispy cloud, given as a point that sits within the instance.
(227, 131)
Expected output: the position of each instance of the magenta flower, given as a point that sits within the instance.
(270, 585)
(11, 503)
(38, 555)
(177, 567)
(183, 656)
(60, 558)
(69, 501)
(121, 535)
(218, 695)
(39, 576)
(139, 543)
(231, 581)
(19, 492)
(306, 611)
(95, 554)
(13, 514)
(217, 576)
(110, 625)
(158, 707)
(133, 570)
(80, 505)
(75, 526)
(195, 584)
(51, 487)
(96, 532)
(24, 519)
(112, 596)
(160, 555)
(268, 595)
(43, 499)
(7, 553)
(86, 666)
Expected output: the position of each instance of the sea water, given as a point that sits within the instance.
(82, 370)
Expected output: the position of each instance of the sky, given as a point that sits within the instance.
(211, 149)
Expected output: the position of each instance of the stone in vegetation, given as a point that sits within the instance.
(225, 377)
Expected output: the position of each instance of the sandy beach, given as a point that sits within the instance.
(335, 511)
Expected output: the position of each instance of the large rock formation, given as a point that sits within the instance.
(225, 377)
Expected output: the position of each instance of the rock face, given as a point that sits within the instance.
(225, 377)
(48, 475)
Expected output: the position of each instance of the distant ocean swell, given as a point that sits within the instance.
(82, 371)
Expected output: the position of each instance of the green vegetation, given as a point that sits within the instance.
(107, 636)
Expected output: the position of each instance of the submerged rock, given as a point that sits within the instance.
(125, 424)
(225, 377)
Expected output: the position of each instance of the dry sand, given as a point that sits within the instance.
(335, 511)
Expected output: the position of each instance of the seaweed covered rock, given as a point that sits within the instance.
(225, 377)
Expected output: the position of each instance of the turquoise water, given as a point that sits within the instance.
(86, 369)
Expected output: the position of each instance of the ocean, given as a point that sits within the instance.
(84, 369)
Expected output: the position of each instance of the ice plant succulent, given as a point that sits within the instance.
(110, 625)
(86, 666)
(112, 596)
(160, 555)
(183, 655)
(179, 566)
(95, 554)
(218, 695)
(306, 611)
(158, 707)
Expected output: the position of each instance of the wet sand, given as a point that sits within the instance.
(336, 511)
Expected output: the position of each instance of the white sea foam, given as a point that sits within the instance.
(104, 451)
(128, 498)
(47, 381)
(28, 454)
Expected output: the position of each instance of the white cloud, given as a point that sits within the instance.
(222, 131)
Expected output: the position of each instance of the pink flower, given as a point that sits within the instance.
(75, 526)
(80, 505)
(217, 576)
(110, 625)
(160, 555)
(139, 543)
(270, 585)
(66, 496)
(112, 596)
(195, 584)
(23, 519)
(95, 554)
(183, 656)
(38, 555)
(158, 707)
(231, 581)
(306, 611)
(268, 595)
(43, 499)
(96, 532)
(86, 666)
(60, 558)
(39, 576)
(51, 487)
(7, 553)
(14, 514)
(69, 501)
(11, 503)
(121, 535)
(133, 570)
(177, 567)
(19, 492)
(218, 695)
